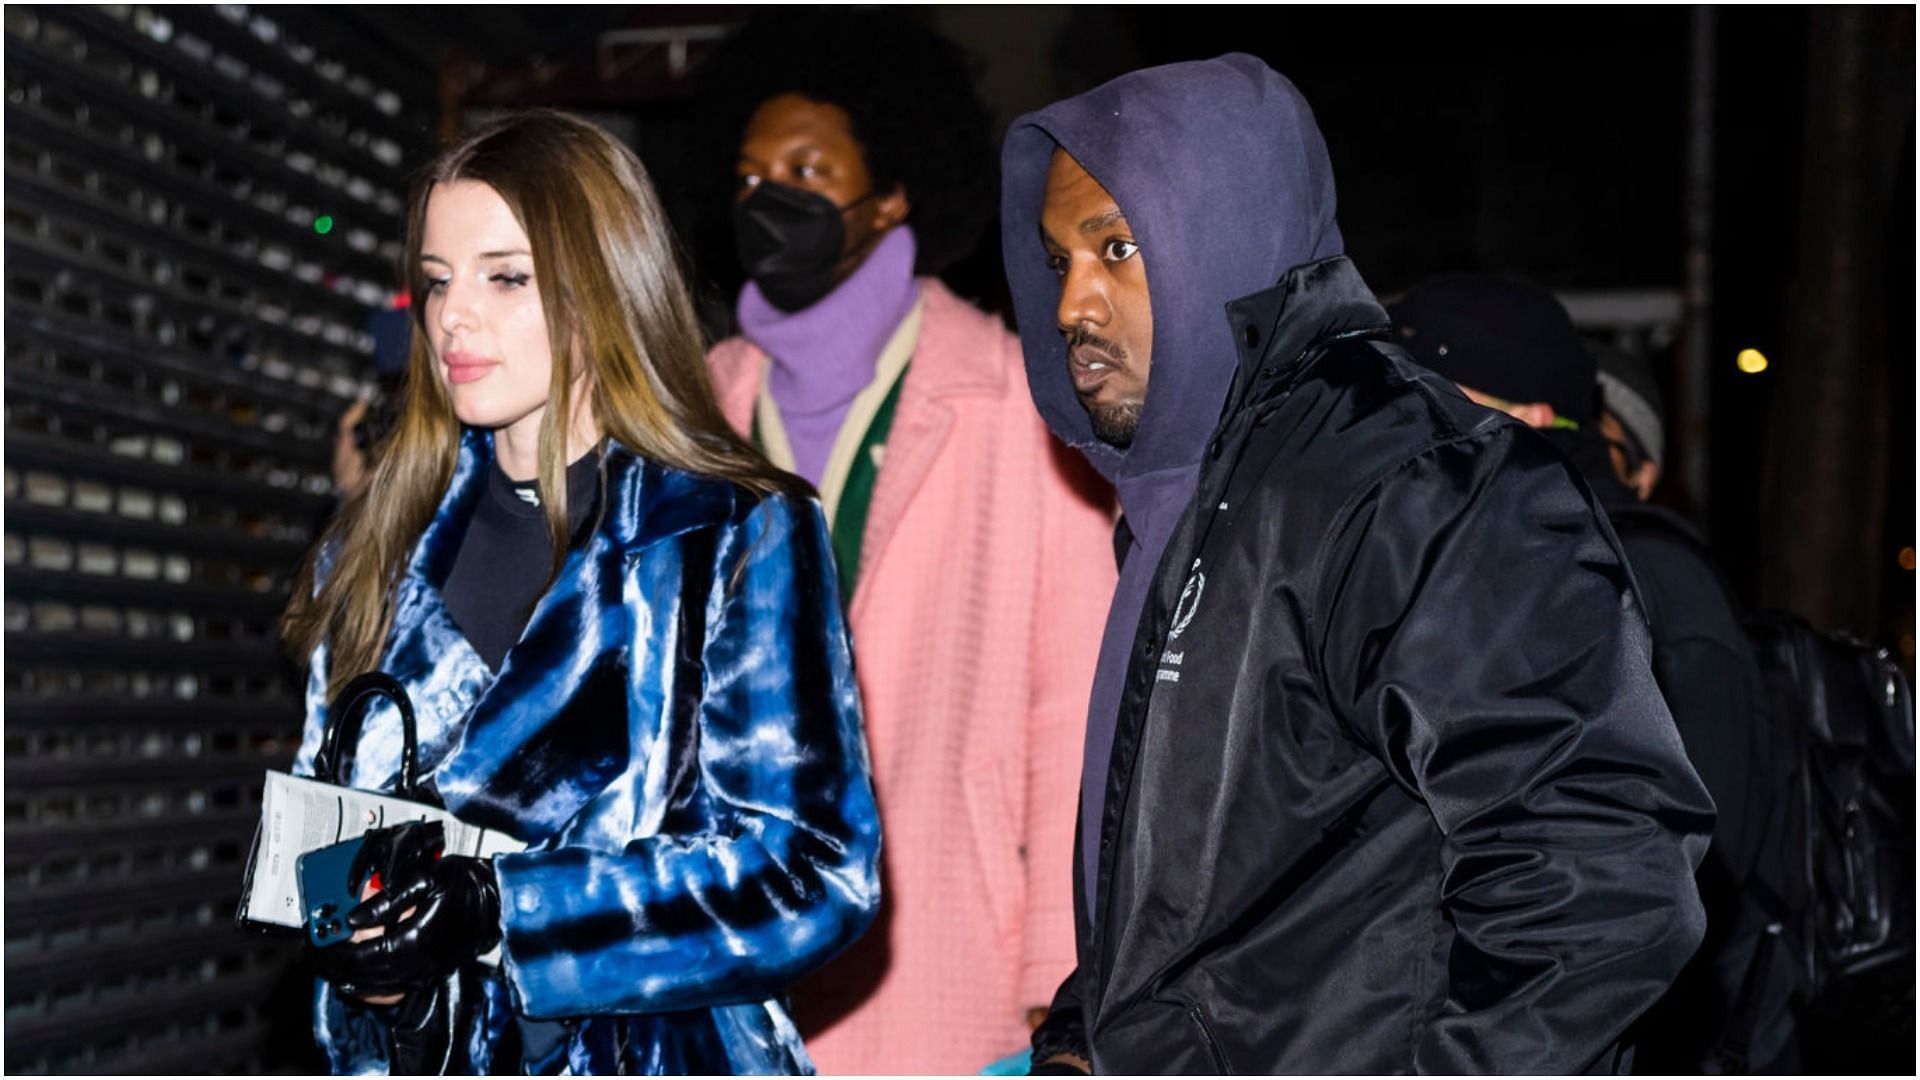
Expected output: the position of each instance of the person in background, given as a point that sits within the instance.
(619, 628)
(1632, 419)
(352, 450)
(359, 430)
(1512, 340)
(357, 435)
(1377, 779)
(972, 547)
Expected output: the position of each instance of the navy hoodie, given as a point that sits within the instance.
(1224, 180)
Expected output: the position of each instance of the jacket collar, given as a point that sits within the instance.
(1276, 329)
(646, 503)
(948, 361)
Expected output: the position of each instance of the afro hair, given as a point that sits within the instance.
(907, 91)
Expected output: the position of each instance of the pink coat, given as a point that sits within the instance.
(985, 576)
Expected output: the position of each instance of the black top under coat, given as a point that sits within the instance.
(505, 559)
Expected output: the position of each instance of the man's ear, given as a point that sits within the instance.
(1644, 478)
(1536, 414)
(892, 208)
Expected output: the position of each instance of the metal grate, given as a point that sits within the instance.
(182, 328)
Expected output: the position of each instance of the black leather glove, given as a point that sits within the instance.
(426, 1025)
(437, 914)
(397, 853)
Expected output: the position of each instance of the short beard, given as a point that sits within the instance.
(1116, 425)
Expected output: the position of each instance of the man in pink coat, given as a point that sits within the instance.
(975, 551)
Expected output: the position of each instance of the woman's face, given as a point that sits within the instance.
(483, 314)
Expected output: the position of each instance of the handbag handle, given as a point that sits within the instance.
(337, 747)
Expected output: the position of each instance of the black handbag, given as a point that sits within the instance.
(334, 760)
(337, 746)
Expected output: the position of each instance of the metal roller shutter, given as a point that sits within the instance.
(202, 207)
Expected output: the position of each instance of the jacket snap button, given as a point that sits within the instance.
(1213, 449)
(1250, 334)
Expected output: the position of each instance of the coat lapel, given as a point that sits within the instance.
(921, 424)
(523, 751)
(426, 651)
(945, 365)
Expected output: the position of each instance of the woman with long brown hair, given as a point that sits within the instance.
(620, 631)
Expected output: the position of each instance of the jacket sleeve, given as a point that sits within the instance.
(1712, 684)
(783, 872)
(1064, 1031)
(1482, 636)
(1069, 615)
(1713, 687)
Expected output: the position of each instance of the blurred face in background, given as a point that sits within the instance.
(350, 466)
(1638, 473)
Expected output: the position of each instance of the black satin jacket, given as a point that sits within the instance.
(1392, 789)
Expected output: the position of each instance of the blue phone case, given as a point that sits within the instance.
(327, 891)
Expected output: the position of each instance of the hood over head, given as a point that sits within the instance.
(1224, 178)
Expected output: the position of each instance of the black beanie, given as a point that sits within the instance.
(1503, 337)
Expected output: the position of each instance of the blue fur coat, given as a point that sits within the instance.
(693, 786)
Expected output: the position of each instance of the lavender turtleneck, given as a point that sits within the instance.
(825, 354)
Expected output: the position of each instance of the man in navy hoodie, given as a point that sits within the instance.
(1377, 777)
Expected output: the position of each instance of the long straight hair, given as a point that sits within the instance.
(617, 311)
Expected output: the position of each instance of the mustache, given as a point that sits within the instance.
(1080, 335)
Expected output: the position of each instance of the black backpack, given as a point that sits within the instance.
(1836, 871)
(1832, 882)
(1838, 875)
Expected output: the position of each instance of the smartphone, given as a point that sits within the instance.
(328, 891)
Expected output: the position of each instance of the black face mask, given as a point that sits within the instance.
(790, 242)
